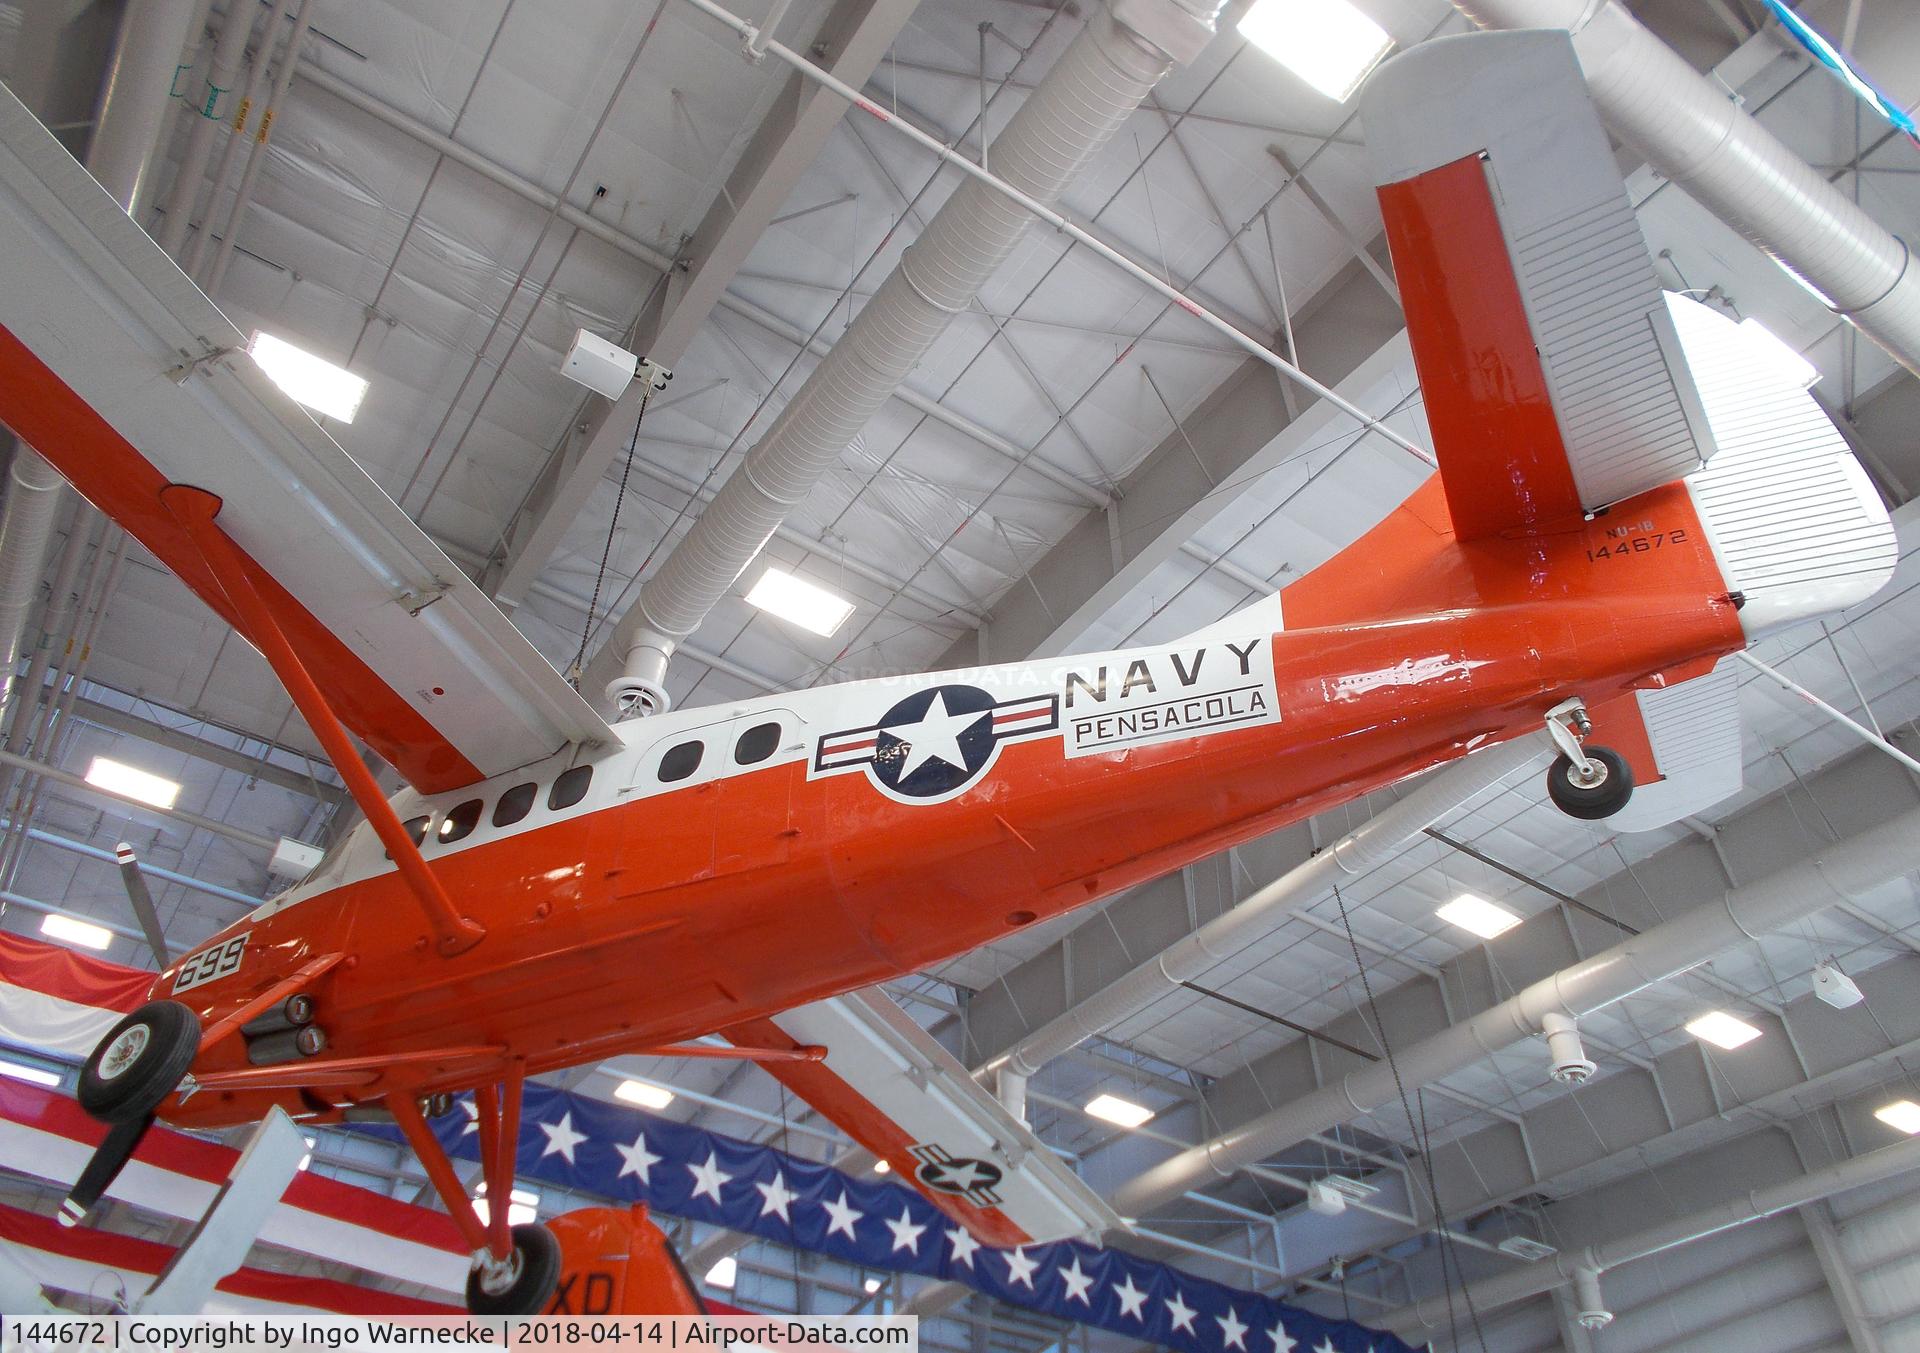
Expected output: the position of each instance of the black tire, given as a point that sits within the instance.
(129, 1074)
(1600, 799)
(537, 1255)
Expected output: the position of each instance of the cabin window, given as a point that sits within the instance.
(681, 761)
(416, 828)
(515, 804)
(756, 744)
(460, 821)
(569, 788)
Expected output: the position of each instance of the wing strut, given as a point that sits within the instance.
(195, 510)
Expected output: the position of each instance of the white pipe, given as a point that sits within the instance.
(443, 144)
(1546, 1274)
(237, 127)
(1866, 735)
(1832, 875)
(257, 153)
(26, 525)
(1266, 909)
(757, 44)
(1692, 131)
(1095, 85)
(133, 100)
(223, 73)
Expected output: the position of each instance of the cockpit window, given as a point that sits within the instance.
(681, 761)
(460, 821)
(756, 744)
(569, 788)
(515, 804)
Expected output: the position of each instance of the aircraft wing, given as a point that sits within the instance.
(1549, 367)
(887, 1084)
(118, 370)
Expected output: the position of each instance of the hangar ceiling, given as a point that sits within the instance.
(453, 190)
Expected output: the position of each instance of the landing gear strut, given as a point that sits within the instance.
(515, 1268)
(1585, 781)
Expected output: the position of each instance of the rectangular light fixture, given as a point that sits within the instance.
(330, 391)
(1779, 355)
(523, 1206)
(1117, 1110)
(1903, 1115)
(1486, 919)
(75, 932)
(646, 1095)
(129, 782)
(882, 1166)
(724, 1273)
(871, 1286)
(1722, 1030)
(33, 1075)
(1328, 43)
(800, 602)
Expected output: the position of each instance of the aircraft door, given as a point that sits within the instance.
(756, 825)
(669, 808)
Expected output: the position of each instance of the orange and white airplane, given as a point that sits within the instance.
(1627, 492)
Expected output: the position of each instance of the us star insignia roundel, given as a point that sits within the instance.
(933, 744)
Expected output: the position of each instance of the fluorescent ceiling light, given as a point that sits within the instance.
(1903, 1115)
(1117, 1110)
(882, 1166)
(116, 778)
(1488, 920)
(307, 1159)
(724, 1273)
(523, 1205)
(1328, 43)
(645, 1095)
(872, 1285)
(1723, 1030)
(75, 932)
(1779, 355)
(37, 1075)
(330, 391)
(795, 599)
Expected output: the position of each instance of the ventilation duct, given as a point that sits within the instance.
(1105, 74)
(1835, 874)
(1694, 134)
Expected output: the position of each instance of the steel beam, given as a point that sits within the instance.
(851, 44)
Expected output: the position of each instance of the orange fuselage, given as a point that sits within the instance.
(662, 912)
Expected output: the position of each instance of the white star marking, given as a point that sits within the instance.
(561, 1138)
(472, 1110)
(963, 1246)
(906, 1236)
(636, 1159)
(708, 1178)
(843, 1217)
(1131, 1299)
(1077, 1283)
(1020, 1268)
(1233, 1334)
(777, 1196)
(1181, 1313)
(1325, 1346)
(1282, 1341)
(937, 736)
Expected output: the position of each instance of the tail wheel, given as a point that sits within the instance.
(521, 1285)
(140, 1062)
(1598, 790)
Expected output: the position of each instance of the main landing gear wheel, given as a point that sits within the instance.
(140, 1062)
(524, 1283)
(1597, 790)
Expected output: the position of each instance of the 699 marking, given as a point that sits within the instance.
(222, 960)
(1638, 544)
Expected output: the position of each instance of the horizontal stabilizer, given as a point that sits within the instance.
(1685, 752)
